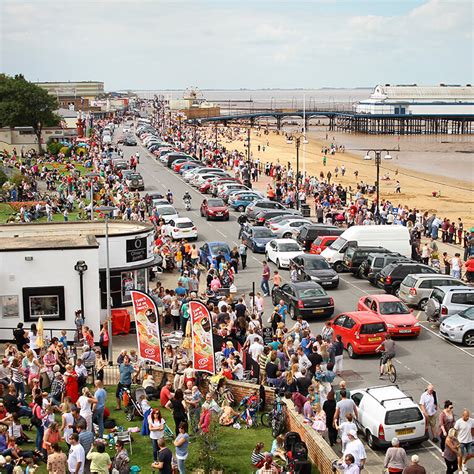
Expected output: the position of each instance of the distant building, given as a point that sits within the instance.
(419, 100)
(85, 89)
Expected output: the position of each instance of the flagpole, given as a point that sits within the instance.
(304, 137)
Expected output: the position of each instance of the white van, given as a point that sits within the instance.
(395, 238)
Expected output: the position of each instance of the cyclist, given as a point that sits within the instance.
(388, 352)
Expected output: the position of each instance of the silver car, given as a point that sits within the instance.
(284, 229)
(416, 289)
(448, 300)
(459, 327)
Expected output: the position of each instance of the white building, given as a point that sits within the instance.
(419, 100)
(38, 277)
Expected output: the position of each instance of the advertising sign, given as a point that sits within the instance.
(203, 350)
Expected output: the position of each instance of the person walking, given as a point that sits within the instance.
(156, 425)
(77, 456)
(451, 452)
(181, 444)
(415, 467)
(429, 407)
(101, 396)
(265, 279)
(464, 427)
(456, 265)
(243, 255)
(396, 459)
(445, 422)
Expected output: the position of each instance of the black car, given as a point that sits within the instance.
(130, 141)
(375, 262)
(310, 232)
(172, 157)
(315, 268)
(256, 237)
(392, 275)
(305, 298)
(262, 217)
(354, 256)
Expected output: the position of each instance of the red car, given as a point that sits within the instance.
(214, 208)
(394, 312)
(321, 243)
(361, 332)
(177, 166)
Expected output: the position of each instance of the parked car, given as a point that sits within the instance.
(448, 300)
(284, 228)
(304, 299)
(354, 256)
(120, 165)
(310, 232)
(134, 181)
(281, 251)
(214, 208)
(176, 155)
(257, 237)
(397, 316)
(321, 243)
(210, 250)
(385, 412)
(361, 332)
(315, 268)
(416, 289)
(166, 212)
(392, 275)
(239, 202)
(258, 206)
(375, 262)
(262, 217)
(227, 191)
(459, 327)
(181, 228)
(129, 141)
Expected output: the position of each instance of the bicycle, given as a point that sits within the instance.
(389, 368)
(276, 418)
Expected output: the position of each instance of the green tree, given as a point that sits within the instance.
(23, 103)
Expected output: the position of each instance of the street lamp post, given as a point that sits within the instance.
(297, 142)
(378, 160)
(81, 267)
(248, 145)
(217, 144)
(106, 210)
(91, 176)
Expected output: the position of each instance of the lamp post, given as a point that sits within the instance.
(378, 160)
(248, 145)
(81, 267)
(217, 144)
(297, 143)
(91, 176)
(106, 210)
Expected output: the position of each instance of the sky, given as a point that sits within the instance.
(226, 44)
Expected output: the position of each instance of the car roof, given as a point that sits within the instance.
(454, 288)
(383, 298)
(301, 285)
(214, 243)
(285, 241)
(363, 316)
(161, 206)
(319, 226)
(389, 396)
(422, 276)
(310, 256)
(183, 219)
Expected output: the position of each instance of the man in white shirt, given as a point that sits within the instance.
(464, 427)
(256, 348)
(348, 466)
(429, 408)
(356, 448)
(77, 456)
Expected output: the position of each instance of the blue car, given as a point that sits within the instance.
(210, 250)
(257, 237)
(240, 201)
(189, 166)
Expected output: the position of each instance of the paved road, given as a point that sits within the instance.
(428, 359)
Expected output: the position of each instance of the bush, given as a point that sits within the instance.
(54, 148)
(81, 151)
(64, 150)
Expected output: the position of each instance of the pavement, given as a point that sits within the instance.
(427, 359)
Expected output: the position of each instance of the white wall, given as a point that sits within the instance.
(52, 268)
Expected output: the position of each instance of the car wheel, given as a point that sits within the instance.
(359, 273)
(278, 263)
(338, 267)
(266, 257)
(292, 313)
(241, 208)
(207, 217)
(350, 351)
(370, 439)
(253, 248)
(227, 218)
(422, 304)
(396, 291)
(468, 339)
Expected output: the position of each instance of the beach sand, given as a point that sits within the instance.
(456, 195)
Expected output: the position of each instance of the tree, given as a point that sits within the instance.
(23, 103)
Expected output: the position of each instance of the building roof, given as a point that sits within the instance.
(440, 93)
(47, 242)
(67, 230)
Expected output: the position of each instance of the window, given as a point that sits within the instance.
(44, 302)
(462, 298)
(357, 397)
(128, 284)
(372, 328)
(378, 262)
(9, 306)
(349, 323)
(410, 281)
(405, 415)
(425, 283)
(340, 320)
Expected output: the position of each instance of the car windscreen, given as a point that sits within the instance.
(215, 203)
(216, 248)
(349, 252)
(316, 264)
(403, 415)
(262, 233)
(372, 328)
(289, 247)
(311, 293)
(184, 225)
(467, 314)
(166, 211)
(393, 307)
(338, 243)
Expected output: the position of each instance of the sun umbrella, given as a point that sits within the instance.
(472, 229)
(40, 339)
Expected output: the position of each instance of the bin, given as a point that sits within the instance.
(305, 210)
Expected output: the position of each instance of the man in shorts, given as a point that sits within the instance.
(464, 427)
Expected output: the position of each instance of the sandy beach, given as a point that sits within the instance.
(456, 196)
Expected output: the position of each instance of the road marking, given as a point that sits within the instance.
(222, 233)
(446, 340)
(355, 286)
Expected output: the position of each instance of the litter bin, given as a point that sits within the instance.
(305, 210)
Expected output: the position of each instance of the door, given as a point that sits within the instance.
(338, 326)
(287, 295)
(271, 251)
(365, 304)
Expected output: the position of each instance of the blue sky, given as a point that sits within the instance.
(154, 44)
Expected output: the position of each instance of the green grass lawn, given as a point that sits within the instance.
(7, 211)
(233, 449)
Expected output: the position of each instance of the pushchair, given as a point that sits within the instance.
(131, 402)
(251, 405)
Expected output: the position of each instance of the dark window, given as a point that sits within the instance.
(372, 328)
(357, 397)
(340, 320)
(349, 323)
(378, 262)
(428, 283)
(462, 298)
(405, 415)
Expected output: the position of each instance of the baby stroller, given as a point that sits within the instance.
(131, 402)
(249, 416)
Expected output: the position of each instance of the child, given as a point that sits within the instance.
(8, 466)
(276, 279)
(63, 339)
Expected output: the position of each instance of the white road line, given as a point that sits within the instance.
(355, 286)
(222, 233)
(427, 381)
(441, 337)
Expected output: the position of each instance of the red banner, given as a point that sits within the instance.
(203, 350)
(148, 327)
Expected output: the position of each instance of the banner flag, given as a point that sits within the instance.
(203, 350)
(148, 327)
